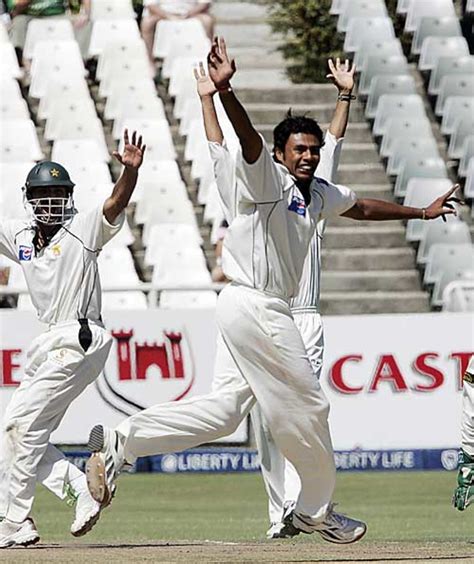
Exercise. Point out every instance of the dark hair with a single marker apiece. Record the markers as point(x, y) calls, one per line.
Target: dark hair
point(295, 124)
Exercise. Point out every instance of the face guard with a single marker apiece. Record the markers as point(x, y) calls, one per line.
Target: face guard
point(50, 211)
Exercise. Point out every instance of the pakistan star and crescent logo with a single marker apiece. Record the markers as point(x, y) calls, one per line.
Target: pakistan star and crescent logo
point(54, 172)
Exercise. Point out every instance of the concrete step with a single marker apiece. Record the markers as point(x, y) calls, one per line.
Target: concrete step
point(247, 35)
point(376, 236)
point(260, 78)
point(379, 191)
point(257, 58)
point(340, 221)
point(397, 258)
point(372, 281)
point(351, 303)
point(239, 12)
point(364, 173)
point(357, 132)
point(274, 113)
point(282, 94)
point(359, 153)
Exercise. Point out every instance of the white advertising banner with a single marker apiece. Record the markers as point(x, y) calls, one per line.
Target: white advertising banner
point(393, 381)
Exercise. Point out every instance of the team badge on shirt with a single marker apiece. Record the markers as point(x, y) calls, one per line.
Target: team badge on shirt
point(298, 205)
point(25, 252)
point(56, 250)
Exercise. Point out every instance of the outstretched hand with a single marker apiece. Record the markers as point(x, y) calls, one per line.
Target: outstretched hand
point(443, 205)
point(133, 153)
point(221, 67)
point(342, 75)
point(205, 86)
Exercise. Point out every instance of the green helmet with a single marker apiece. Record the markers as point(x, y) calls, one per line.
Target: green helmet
point(48, 173)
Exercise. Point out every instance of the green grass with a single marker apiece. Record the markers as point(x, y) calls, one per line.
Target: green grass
point(411, 506)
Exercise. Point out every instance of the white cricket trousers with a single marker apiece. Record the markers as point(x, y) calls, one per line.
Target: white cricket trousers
point(281, 480)
point(467, 418)
point(261, 356)
point(57, 371)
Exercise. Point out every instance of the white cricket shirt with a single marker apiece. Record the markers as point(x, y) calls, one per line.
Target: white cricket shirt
point(267, 241)
point(62, 278)
point(178, 7)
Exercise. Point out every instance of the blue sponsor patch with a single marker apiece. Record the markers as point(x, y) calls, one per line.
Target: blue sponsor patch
point(25, 252)
point(298, 205)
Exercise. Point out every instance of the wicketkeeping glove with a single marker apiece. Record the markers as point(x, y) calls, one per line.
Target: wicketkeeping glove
point(464, 493)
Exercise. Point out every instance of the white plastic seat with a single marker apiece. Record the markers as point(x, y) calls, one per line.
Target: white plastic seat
point(95, 172)
point(158, 193)
point(435, 47)
point(469, 186)
point(422, 8)
point(191, 111)
point(133, 299)
point(156, 135)
point(463, 128)
point(173, 213)
point(416, 167)
point(452, 232)
point(182, 76)
point(20, 133)
point(132, 87)
point(440, 255)
point(378, 65)
point(386, 84)
point(14, 108)
point(458, 263)
point(449, 65)
point(11, 197)
point(421, 192)
point(13, 175)
point(8, 61)
point(3, 33)
point(48, 70)
point(63, 110)
point(467, 155)
point(453, 85)
point(52, 28)
point(169, 30)
point(116, 268)
point(401, 127)
point(458, 296)
point(70, 87)
point(361, 29)
point(85, 129)
point(181, 269)
point(88, 195)
point(125, 49)
point(434, 27)
point(360, 9)
point(148, 107)
point(166, 171)
point(409, 147)
point(164, 236)
point(112, 10)
point(403, 5)
point(9, 88)
point(50, 50)
point(381, 47)
point(470, 7)
point(204, 299)
point(185, 47)
point(123, 72)
point(337, 7)
point(75, 150)
point(104, 31)
point(455, 108)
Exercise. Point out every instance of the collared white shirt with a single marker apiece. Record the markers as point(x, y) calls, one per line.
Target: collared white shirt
point(267, 241)
point(178, 7)
point(62, 278)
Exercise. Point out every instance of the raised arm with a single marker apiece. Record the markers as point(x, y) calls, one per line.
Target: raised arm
point(206, 91)
point(221, 70)
point(342, 75)
point(379, 210)
point(131, 159)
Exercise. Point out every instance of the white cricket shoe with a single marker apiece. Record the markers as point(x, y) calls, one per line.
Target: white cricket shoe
point(341, 529)
point(105, 463)
point(87, 514)
point(18, 534)
point(284, 529)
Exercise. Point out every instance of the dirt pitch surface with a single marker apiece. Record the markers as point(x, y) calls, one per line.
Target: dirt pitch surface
point(215, 551)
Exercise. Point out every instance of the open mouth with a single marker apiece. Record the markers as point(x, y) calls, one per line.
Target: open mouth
point(306, 170)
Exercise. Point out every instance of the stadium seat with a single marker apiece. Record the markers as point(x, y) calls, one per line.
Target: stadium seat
point(13, 175)
point(440, 255)
point(158, 193)
point(85, 129)
point(451, 232)
point(337, 7)
point(469, 186)
point(467, 155)
point(71, 87)
point(420, 192)
point(377, 65)
point(64, 109)
point(116, 268)
point(458, 264)
point(403, 6)
point(151, 170)
point(130, 87)
point(9, 88)
point(156, 132)
point(124, 300)
point(191, 111)
point(435, 47)
point(112, 10)
point(55, 51)
point(174, 272)
point(198, 48)
point(386, 84)
point(123, 72)
point(449, 65)
point(89, 195)
point(8, 61)
point(361, 29)
point(456, 107)
point(453, 85)
point(14, 108)
point(463, 128)
point(458, 296)
point(90, 172)
point(382, 47)
point(49, 70)
point(400, 127)
point(3, 33)
point(170, 235)
point(470, 7)
point(144, 107)
point(416, 167)
point(173, 213)
point(53, 29)
point(360, 9)
point(423, 8)
point(75, 150)
point(170, 299)
point(105, 31)
point(434, 26)
point(20, 134)
point(124, 49)
point(410, 147)
point(168, 31)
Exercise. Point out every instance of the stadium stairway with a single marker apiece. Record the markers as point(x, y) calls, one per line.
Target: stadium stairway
point(368, 267)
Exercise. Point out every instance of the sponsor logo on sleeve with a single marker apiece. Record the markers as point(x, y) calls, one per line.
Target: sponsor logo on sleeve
point(25, 252)
point(298, 205)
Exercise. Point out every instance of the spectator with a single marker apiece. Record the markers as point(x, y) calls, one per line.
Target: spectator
point(156, 10)
point(217, 272)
